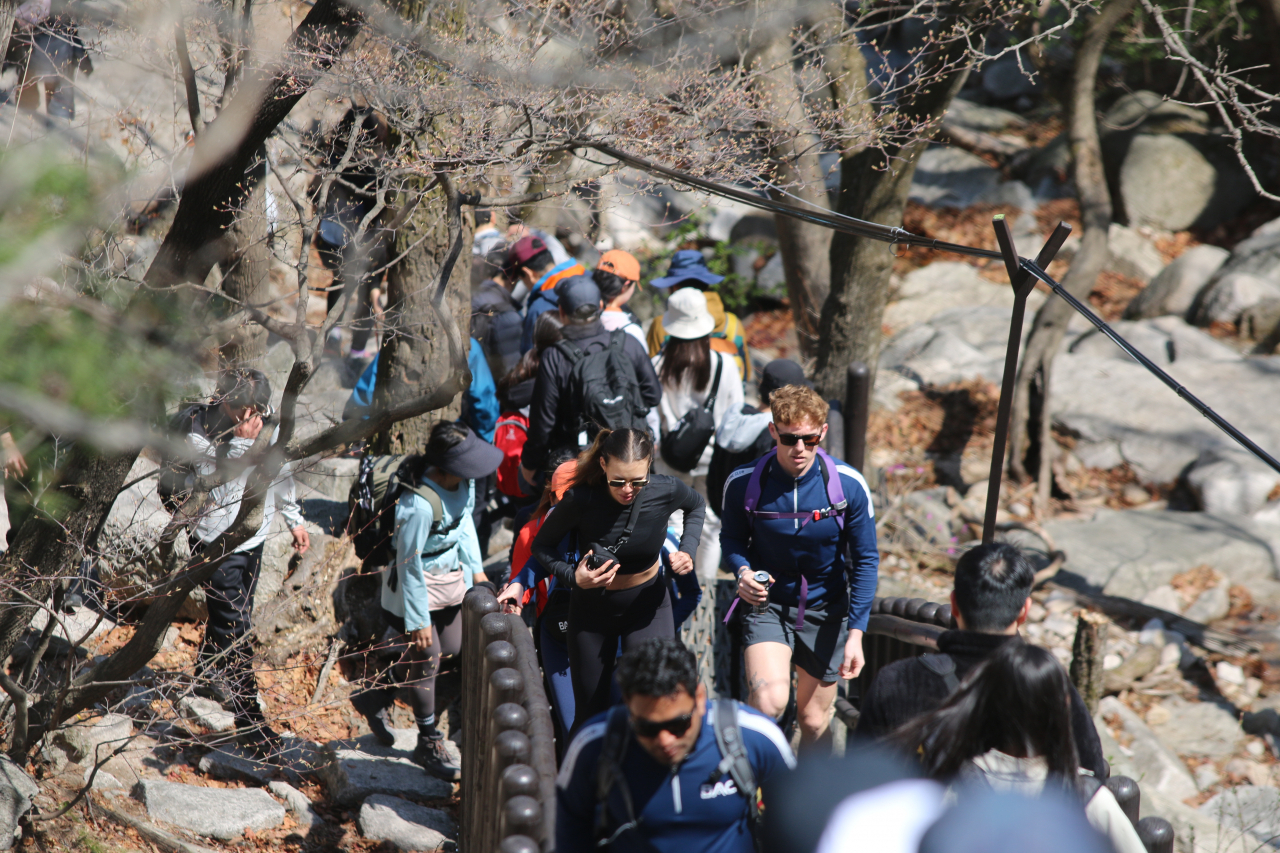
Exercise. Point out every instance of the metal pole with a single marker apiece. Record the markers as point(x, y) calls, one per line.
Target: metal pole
point(1022, 283)
point(857, 403)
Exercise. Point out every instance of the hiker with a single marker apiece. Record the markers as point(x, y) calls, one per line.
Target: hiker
point(658, 762)
point(46, 50)
point(1007, 727)
point(437, 559)
point(807, 521)
point(217, 433)
point(496, 321)
point(617, 275)
point(990, 601)
point(591, 379)
point(529, 261)
point(700, 387)
point(689, 269)
point(618, 509)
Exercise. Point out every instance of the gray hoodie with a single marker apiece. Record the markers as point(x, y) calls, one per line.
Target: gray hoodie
point(738, 430)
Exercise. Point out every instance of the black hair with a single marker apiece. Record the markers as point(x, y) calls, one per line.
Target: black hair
point(244, 387)
point(1017, 701)
point(582, 315)
point(546, 333)
point(539, 262)
point(686, 360)
point(611, 284)
point(992, 584)
point(658, 667)
point(484, 217)
point(626, 445)
point(445, 436)
point(695, 283)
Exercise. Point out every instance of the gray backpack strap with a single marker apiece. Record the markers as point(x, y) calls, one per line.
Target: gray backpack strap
point(942, 664)
point(609, 773)
point(735, 762)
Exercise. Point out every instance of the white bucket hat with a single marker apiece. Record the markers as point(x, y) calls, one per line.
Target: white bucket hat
point(687, 316)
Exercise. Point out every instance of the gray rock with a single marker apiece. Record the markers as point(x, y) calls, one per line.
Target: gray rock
point(1150, 113)
point(1207, 776)
point(16, 792)
point(329, 478)
point(1155, 767)
point(404, 824)
point(952, 177)
point(986, 119)
point(1166, 598)
point(1013, 194)
point(207, 713)
point(1131, 254)
point(222, 813)
point(1230, 481)
point(1199, 728)
point(945, 285)
point(1228, 295)
point(1250, 809)
point(1210, 606)
point(1007, 78)
point(351, 773)
point(1258, 255)
point(96, 739)
point(1174, 182)
point(233, 761)
point(298, 803)
point(102, 780)
point(1174, 289)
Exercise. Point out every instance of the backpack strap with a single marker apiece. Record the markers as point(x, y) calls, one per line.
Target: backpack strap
point(709, 404)
point(570, 350)
point(609, 773)
point(942, 664)
point(735, 762)
point(432, 498)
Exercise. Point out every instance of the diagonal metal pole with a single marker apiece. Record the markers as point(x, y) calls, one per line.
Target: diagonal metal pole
point(1022, 282)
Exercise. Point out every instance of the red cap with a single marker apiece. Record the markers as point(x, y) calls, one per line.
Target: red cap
point(525, 249)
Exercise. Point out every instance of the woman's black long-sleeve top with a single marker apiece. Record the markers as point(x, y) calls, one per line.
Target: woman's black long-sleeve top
point(596, 517)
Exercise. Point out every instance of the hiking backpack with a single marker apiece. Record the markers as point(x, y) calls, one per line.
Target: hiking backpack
point(604, 387)
point(734, 763)
point(371, 504)
point(682, 447)
point(509, 436)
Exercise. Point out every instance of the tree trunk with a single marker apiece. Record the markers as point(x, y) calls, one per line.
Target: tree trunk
point(874, 183)
point(1087, 652)
point(246, 273)
point(421, 332)
point(7, 10)
point(805, 247)
point(1031, 411)
point(216, 187)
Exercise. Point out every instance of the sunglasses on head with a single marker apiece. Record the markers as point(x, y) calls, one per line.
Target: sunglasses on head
point(650, 729)
point(790, 438)
point(635, 484)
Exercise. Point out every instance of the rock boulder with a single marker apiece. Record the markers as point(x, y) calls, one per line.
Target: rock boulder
point(221, 813)
point(1174, 288)
point(408, 826)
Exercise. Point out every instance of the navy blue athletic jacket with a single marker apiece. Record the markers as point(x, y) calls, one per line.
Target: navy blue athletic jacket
point(680, 809)
point(784, 548)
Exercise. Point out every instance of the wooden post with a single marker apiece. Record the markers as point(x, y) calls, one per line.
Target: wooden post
point(1086, 657)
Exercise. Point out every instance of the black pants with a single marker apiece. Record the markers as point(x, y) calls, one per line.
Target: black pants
point(225, 648)
point(417, 669)
point(598, 620)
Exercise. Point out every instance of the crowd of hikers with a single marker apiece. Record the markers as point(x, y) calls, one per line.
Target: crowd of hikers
point(632, 473)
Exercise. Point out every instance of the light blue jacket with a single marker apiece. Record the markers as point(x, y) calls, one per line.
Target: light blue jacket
point(455, 548)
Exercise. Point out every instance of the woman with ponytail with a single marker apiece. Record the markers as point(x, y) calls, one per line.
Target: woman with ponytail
point(618, 509)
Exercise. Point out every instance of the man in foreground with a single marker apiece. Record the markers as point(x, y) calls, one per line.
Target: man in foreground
point(990, 601)
point(658, 757)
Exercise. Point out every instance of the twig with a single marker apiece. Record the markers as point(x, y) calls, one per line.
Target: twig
point(325, 670)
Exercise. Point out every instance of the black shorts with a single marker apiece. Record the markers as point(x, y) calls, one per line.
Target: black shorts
point(817, 647)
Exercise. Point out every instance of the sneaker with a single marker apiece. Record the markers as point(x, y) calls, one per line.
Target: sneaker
point(260, 740)
point(375, 714)
point(431, 755)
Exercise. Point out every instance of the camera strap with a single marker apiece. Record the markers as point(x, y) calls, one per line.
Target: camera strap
point(632, 517)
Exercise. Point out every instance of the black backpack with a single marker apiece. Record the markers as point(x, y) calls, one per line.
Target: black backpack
point(604, 387)
point(683, 446)
point(171, 485)
point(371, 503)
point(724, 462)
point(734, 763)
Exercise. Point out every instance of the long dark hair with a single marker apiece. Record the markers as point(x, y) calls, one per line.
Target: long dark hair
point(1017, 701)
point(546, 333)
point(682, 358)
point(625, 445)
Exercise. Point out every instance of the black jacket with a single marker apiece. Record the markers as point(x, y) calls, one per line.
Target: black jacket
point(553, 420)
point(496, 324)
point(905, 689)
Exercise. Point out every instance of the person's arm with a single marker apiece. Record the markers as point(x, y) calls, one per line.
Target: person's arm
point(862, 563)
point(735, 528)
point(286, 493)
point(413, 528)
point(695, 512)
point(650, 387)
point(542, 413)
point(546, 545)
point(469, 557)
point(1105, 815)
point(361, 399)
point(741, 427)
point(690, 594)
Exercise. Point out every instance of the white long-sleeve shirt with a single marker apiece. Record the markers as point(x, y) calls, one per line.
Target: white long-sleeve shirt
point(676, 400)
point(224, 501)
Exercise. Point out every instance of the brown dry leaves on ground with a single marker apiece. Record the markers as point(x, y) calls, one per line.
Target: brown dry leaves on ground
point(943, 420)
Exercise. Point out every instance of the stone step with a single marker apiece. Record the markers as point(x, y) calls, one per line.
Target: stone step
point(221, 813)
point(406, 825)
point(353, 770)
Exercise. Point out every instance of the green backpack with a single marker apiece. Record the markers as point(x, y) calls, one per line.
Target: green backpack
point(371, 504)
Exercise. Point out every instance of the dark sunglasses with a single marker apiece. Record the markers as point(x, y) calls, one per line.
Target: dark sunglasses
point(790, 439)
point(635, 484)
point(649, 729)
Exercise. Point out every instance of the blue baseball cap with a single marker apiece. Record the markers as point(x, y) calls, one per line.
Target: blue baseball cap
point(687, 264)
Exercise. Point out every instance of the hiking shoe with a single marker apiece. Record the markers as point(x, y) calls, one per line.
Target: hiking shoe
point(375, 714)
point(431, 755)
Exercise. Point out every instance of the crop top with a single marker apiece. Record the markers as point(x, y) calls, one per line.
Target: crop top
point(597, 517)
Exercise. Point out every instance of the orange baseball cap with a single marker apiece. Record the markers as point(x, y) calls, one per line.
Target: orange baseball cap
point(620, 263)
point(562, 478)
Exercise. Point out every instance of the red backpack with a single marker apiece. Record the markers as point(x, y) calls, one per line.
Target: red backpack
point(509, 436)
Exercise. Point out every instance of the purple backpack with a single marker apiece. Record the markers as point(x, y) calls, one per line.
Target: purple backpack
point(836, 506)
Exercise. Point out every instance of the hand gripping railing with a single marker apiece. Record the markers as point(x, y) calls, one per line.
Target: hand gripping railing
point(508, 744)
point(901, 628)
